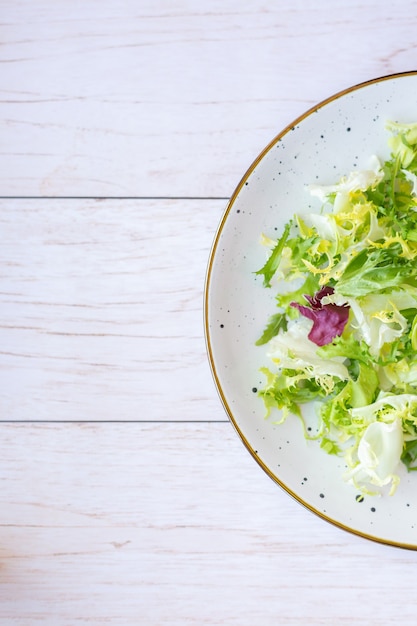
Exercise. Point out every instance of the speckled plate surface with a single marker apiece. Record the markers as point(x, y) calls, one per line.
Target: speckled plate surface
point(334, 138)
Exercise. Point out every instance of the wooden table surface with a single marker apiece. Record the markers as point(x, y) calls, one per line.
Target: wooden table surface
point(126, 497)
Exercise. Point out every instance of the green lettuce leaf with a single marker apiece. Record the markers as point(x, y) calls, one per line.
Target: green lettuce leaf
point(276, 323)
point(272, 264)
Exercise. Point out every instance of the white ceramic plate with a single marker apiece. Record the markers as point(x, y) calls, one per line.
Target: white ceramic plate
point(327, 142)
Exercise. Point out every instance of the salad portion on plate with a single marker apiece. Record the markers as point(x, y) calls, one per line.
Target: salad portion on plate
point(344, 334)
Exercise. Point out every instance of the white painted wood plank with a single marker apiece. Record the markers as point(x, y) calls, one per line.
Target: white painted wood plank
point(174, 524)
point(174, 98)
point(101, 310)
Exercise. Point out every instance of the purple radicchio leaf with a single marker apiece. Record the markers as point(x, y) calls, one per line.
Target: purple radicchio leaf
point(329, 320)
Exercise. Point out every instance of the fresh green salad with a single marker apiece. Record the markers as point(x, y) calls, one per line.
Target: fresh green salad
point(344, 334)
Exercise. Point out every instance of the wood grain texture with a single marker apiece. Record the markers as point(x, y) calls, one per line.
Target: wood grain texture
point(174, 524)
point(174, 98)
point(131, 501)
point(101, 310)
